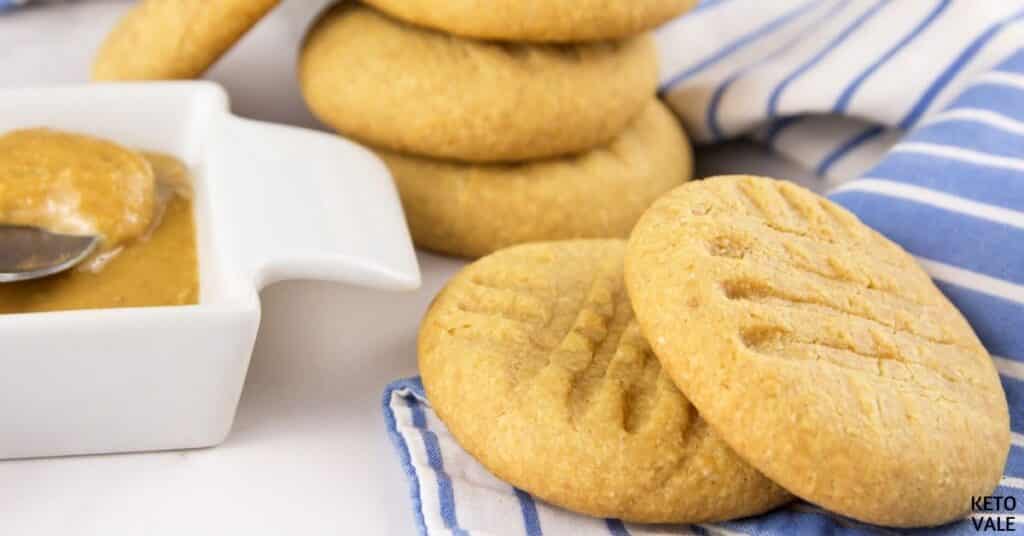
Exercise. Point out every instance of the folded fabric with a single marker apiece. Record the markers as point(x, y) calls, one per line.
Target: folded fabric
point(923, 100)
point(830, 83)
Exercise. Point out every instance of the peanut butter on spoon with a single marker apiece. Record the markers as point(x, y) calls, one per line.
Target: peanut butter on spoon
point(138, 204)
point(75, 184)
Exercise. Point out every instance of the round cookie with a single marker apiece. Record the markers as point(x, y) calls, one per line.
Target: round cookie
point(174, 39)
point(410, 89)
point(819, 350)
point(472, 210)
point(532, 358)
point(538, 20)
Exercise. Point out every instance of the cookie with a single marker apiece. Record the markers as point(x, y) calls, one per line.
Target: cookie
point(472, 210)
point(174, 39)
point(538, 20)
point(75, 184)
point(819, 350)
point(532, 358)
point(401, 87)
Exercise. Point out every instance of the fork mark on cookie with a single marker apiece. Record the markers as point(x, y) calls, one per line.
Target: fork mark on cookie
point(820, 304)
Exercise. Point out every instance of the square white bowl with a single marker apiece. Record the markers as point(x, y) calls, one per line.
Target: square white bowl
point(271, 203)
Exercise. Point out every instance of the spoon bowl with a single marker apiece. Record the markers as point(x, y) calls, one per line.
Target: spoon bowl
point(28, 252)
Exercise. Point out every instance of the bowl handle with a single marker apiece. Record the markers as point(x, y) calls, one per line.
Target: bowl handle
point(294, 203)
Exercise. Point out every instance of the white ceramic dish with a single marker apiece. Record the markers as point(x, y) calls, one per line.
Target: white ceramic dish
point(271, 203)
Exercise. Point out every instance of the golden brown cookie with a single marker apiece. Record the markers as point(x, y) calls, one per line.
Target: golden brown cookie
point(819, 350)
point(538, 20)
point(532, 358)
point(410, 89)
point(175, 39)
point(75, 184)
point(472, 210)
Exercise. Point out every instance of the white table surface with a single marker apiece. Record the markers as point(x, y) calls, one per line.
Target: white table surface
point(308, 453)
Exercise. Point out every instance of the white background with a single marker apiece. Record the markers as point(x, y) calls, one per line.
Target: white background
point(308, 453)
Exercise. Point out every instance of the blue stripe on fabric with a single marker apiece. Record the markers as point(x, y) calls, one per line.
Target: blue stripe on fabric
point(531, 520)
point(942, 235)
point(616, 528)
point(738, 44)
point(846, 148)
point(1014, 399)
point(716, 98)
point(1015, 461)
point(957, 528)
point(445, 492)
point(954, 68)
point(404, 455)
point(1016, 493)
point(1009, 490)
point(706, 4)
point(776, 95)
point(778, 127)
point(996, 321)
point(791, 521)
point(1006, 100)
point(971, 135)
point(1013, 64)
point(847, 95)
point(996, 186)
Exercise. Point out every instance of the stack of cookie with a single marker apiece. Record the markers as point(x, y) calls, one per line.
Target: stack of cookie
point(507, 122)
point(751, 341)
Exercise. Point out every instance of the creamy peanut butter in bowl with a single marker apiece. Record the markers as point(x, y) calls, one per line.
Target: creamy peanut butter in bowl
point(145, 345)
point(139, 204)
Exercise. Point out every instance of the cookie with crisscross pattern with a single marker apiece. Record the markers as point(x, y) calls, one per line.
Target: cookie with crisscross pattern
point(533, 359)
point(819, 350)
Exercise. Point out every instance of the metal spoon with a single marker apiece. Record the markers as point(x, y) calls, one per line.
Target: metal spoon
point(31, 253)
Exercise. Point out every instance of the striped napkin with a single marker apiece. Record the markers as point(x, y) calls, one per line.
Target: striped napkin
point(923, 100)
point(6, 5)
point(11, 4)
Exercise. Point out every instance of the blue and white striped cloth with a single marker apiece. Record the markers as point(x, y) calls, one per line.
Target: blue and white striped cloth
point(921, 99)
point(11, 4)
